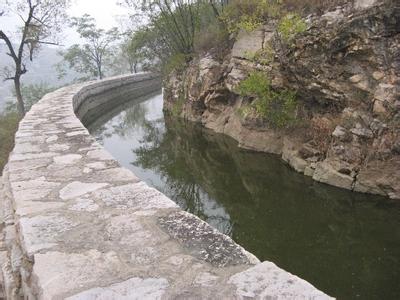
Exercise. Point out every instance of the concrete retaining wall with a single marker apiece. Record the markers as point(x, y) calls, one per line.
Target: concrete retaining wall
point(75, 225)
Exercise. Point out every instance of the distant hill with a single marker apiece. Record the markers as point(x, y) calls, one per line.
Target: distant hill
point(42, 69)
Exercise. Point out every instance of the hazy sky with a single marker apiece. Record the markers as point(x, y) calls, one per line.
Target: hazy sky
point(104, 11)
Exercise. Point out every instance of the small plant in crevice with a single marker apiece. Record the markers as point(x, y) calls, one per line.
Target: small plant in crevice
point(291, 25)
point(278, 108)
point(320, 133)
point(263, 57)
point(177, 106)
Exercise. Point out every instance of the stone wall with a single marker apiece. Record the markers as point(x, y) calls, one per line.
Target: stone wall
point(76, 225)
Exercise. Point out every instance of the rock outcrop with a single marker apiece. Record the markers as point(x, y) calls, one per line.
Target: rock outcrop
point(345, 69)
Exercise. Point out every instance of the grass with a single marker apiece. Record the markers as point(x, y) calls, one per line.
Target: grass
point(8, 127)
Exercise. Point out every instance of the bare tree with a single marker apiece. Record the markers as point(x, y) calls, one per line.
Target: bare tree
point(41, 21)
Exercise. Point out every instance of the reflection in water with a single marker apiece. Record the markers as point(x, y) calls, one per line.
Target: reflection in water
point(346, 244)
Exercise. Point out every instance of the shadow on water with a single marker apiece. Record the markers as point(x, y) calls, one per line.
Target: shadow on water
point(346, 244)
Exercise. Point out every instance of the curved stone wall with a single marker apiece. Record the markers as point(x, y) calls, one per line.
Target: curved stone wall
point(78, 226)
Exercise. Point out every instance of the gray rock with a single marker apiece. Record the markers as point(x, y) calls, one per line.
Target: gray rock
point(325, 173)
point(339, 132)
point(362, 132)
point(248, 43)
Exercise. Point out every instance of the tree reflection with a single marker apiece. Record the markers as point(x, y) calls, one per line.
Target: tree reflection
point(166, 151)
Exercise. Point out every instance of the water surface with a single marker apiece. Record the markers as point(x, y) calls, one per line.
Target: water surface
point(346, 244)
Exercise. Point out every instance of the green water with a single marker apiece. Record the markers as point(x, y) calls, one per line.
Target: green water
point(346, 244)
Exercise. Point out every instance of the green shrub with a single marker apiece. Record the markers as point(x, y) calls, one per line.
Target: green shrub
point(8, 127)
point(176, 62)
point(249, 14)
point(291, 25)
point(278, 108)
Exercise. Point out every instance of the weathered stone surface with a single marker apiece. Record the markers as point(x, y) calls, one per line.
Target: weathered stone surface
point(248, 43)
point(76, 188)
point(364, 3)
point(68, 159)
point(339, 132)
point(205, 242)
point(291, 156)
point(264, 281)
point(76, 225)
point(325, 173)
point(131, 289)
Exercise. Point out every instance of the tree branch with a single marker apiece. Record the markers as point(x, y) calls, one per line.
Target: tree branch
point(41, 42)
point(5, 38)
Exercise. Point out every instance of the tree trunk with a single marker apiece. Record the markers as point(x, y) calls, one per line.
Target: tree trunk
point(135, 67)
point(131, 68)
point(20, 101)
point(99, 70)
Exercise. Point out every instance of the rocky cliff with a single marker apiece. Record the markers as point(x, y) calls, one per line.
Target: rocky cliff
point(345, 69)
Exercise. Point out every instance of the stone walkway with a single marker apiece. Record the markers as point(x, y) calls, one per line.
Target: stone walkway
point(78, 226)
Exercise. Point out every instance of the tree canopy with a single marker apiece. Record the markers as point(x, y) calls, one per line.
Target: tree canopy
point(91, 57)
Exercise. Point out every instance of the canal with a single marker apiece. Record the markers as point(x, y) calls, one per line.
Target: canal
point(346, 244)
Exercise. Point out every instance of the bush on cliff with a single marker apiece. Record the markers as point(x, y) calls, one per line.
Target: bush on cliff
point(289, 26)
point(249, 14)
point(278, 108)
point(8, 127)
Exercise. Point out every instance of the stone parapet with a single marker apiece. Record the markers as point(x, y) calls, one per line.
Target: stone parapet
point(76, 225)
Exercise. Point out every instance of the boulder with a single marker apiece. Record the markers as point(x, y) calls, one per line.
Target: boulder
point(248, 43)
point(362, 4)
point(324, 172)
point(339, 132)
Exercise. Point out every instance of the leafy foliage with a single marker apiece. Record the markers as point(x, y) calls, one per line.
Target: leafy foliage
point(91, 57)
point(175, 21)
point(134, 51)
point(212, 34)
point(291, 25)
point(276, 107)
point(248, 14)
point(176, 62)
point(179, 28)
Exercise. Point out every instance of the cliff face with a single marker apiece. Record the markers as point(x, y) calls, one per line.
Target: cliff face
point(345, 69)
